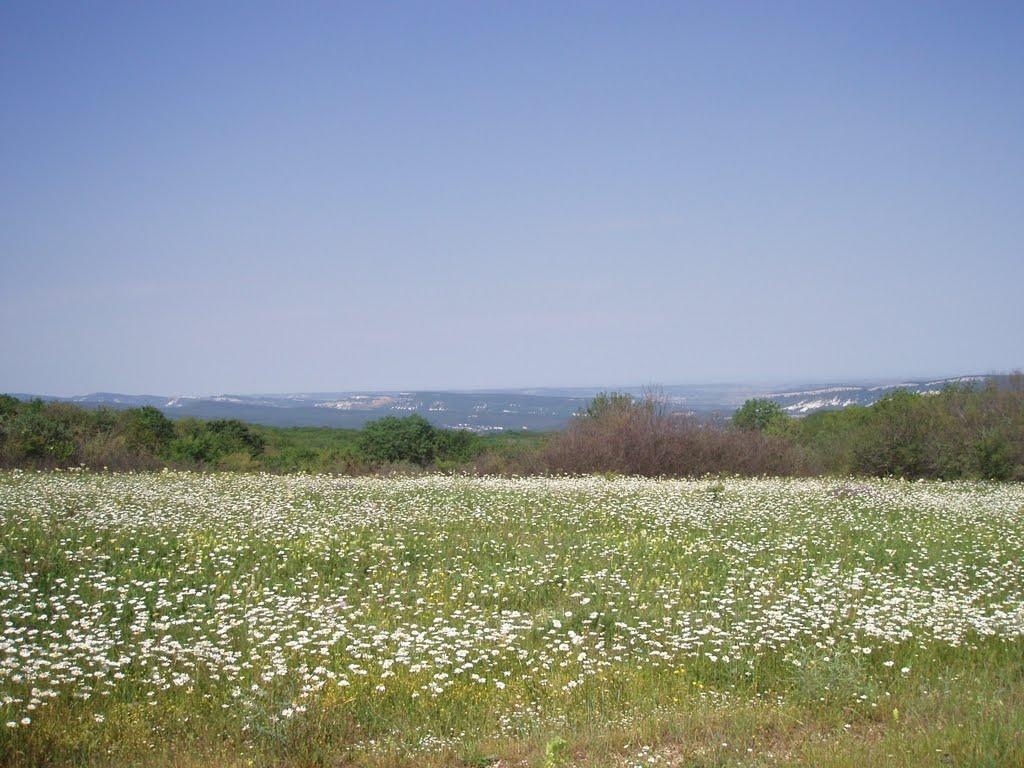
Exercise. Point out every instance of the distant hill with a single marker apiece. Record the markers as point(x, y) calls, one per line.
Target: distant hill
point(802, 402)
point(479, 412)
point(492, 410)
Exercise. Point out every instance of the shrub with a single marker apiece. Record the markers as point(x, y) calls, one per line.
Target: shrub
point(205, 443)
point(38, 435)
point(234, 436)
point(758, 414)
point(604, 404)
point(148, 429)
point(392, 439)
point(239, 461)
point(8, 406)
point(993, 457)
point(108, 450)
point(456, 445)
point(645, 438)
point(192, 444)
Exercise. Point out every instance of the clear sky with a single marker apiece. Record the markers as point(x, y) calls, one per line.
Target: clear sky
point(254, 197)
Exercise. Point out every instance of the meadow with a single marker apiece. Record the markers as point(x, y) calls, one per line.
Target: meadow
point(185, 619)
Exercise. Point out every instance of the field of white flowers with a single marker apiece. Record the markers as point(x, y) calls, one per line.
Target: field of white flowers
point(180, 619)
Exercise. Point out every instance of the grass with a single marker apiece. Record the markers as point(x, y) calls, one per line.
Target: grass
point(178, 619)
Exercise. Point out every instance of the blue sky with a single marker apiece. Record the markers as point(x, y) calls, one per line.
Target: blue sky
point(254, 197)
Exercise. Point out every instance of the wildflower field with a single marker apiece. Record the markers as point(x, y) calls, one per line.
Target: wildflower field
point(179, 619)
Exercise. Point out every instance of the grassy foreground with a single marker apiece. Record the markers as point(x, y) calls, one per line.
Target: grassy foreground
point(177, 619)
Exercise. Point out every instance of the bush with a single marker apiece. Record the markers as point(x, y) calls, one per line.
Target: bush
point(239, 461)
point(205, 443)
point(108, 450)
point(758, 415)
point(192, 444)
point(456, 446)
point(993, 455)
point(148, 429)
point(391, 440)
point(961, 432)
point(645, 438)
point(234, 436)
point(8, 407)
point(39, 435)
point(604, 404)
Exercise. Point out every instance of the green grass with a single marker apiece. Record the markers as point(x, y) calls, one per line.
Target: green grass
point(181, 619)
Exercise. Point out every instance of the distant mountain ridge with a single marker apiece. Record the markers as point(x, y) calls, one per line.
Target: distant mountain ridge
point(802, 402)
point(493, 410)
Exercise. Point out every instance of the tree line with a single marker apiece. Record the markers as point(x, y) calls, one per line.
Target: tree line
point(964, 431)
point(38, 434)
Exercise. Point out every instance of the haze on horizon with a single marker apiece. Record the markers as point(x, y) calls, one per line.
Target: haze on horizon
point(265, 198)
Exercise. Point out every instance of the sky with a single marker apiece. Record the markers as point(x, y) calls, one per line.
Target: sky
point(279, 197)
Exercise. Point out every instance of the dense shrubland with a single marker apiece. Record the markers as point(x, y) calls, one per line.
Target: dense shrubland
point(44, 435)
point(643, 437)
point(963, 431)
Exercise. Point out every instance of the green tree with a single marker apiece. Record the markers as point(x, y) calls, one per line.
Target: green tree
point(456, 445)
point(392, 439)
point(8, 406)
point(993, 455)
point(192, 443)
point(758, 415)
point(207, 442)
point(148, 429)
point(37, 433)
point(234, 436)
point(894, 439)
